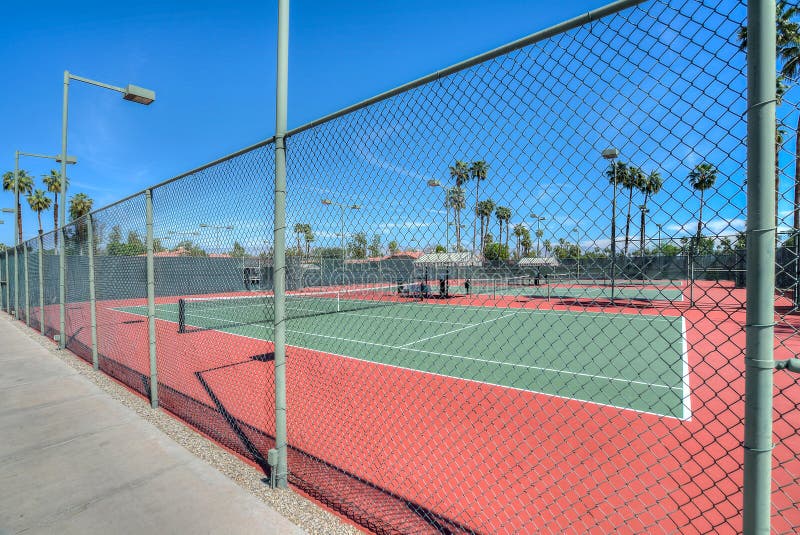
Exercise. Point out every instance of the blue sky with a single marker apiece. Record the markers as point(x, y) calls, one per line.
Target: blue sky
point(212, 65)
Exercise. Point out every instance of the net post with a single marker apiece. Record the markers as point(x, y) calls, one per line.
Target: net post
point(279, 263)
point(181, 316)
point(151, 299)
point(92, 297)
point(41, 286)
point(27, 286)
point(8, 285)
point(760, 232)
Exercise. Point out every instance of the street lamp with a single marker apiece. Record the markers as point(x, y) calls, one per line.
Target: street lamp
point(17, 154)
point(437, 184)
point(538, 220)
point(343, 208)
point(645, 210)
point(131, 93)
point(217, 229)
point(612, 154)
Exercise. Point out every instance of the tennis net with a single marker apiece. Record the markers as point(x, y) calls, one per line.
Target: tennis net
point(209, 313)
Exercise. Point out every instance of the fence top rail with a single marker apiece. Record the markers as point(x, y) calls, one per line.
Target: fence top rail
point(589, 16)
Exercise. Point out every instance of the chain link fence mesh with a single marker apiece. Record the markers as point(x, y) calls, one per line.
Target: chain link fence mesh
point(494, 324)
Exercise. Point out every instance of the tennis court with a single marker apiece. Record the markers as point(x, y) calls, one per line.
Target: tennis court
point(633, 362)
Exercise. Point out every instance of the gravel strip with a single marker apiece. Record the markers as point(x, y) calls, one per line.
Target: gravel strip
point(303, 512)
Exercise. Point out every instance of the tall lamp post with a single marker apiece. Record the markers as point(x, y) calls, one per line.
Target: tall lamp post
point(578, 254)
point(17, 226)
point(538, 220)
point(612, 154)
point(132, 93)
point(437, 184)
point(343, 208)
point(217, 229)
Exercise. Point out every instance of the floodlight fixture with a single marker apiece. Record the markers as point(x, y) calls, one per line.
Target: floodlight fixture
point(610, 153)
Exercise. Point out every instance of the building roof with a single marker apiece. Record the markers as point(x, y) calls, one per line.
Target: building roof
point(536, 261)
point(453, 259)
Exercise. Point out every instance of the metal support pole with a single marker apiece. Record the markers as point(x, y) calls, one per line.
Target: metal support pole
point(92, 300)
point(16, 282)
point(614, 234)
point(27, 286)
point(759, 326)
point(8, 285)
point(151, 299)
point(41, 286)
point(62, 262)
point(279, 274)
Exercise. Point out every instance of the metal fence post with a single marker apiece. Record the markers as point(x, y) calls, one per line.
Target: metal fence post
point(41, 286)
point(16, 282)
point(8, 285)
point(151, 299)
point(92, 301)
point(279, 273)
point(62, 285)
point(27, 285)
point(759, 327)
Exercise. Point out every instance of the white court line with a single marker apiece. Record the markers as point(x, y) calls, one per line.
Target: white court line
point(469, 326)
point(456, 377)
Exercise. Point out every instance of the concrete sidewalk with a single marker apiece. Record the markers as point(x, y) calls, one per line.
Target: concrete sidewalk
point(73, 460)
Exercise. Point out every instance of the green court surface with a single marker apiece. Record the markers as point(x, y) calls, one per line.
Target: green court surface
point(624, 360)
point(569, 291)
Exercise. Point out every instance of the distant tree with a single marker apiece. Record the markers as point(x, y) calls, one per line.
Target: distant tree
point(53, 183)
point(457, 201)
point(393, 247)
point(238, 250)
point(503, 214)
point(187, 248)
point(24, 184)
point(309, 237)
point(79, 205)
point(651, 185)
point(299, 230)
point(483, 211)
point(478, 171)
point(39, 202)
point(357, 248)
point(702, 178)
point(375, 246)
point(440, 249)
point(495, 252)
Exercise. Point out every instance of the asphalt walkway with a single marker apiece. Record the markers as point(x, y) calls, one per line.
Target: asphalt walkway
point(73, 460)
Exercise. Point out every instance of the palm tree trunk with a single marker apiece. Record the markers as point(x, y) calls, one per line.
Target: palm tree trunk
point(458, 228)
point(628, 221)
point(700, 219)
point(39, 216)
point(644, 211)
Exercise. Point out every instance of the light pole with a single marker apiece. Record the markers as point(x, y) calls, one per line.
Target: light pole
point(612, 154)
point(437, 184)
point(660, 251)
point(132, 93)
point(538, 220)
point(17, 226)
point(645, 210)
point(343, 208)
point(217, 229)
point(578, 253)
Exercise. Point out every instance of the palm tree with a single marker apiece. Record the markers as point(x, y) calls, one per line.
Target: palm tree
point(539, 234)
point(649, 187)
point(39, 202)
point(702, 178)
point(503, 214)
point(478, 171)
point(484, 211)
point(24, 187)
point(299, 229)
point(787, 33)
point(53, 183)
point(519, 232)
point(457, 201)
point(308, 235)
point(79, 205)
point(631, 180)
point(547, 244)
point(526, 243)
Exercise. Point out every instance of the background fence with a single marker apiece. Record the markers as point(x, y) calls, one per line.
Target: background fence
point(467, 395)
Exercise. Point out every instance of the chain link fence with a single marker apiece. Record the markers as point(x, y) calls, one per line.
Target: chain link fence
point(516, 290)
